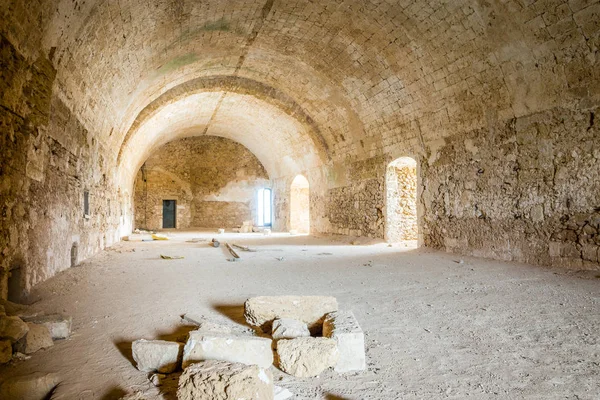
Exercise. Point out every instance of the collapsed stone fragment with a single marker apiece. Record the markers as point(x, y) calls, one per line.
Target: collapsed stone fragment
point(5, 351)
point(344, 328)
point(12, 328)
point(222, 380)
point(37, 338)
point(35, 386)
point(203, 345)
point(287, 328)
point(156, 355)
point(261, 311)
point(307, 356)
point(58, 324)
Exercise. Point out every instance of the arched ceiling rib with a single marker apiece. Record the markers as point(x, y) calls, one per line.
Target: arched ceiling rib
point(369, 74)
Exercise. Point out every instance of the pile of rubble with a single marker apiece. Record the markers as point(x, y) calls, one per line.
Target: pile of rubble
point(23, 332)
point(303, 335)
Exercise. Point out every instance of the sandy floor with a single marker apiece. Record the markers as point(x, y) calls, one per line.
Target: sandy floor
point(435, 328)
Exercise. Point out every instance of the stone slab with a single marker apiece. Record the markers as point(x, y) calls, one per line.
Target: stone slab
point(287, 328)
point(261, 311)
point(222, 380)
point(59, 325)
point(157, 355)
point(204, 345)
point(307, 356)
point(343, 327)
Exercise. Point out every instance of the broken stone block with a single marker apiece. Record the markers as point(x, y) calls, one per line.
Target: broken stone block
point(18, 310)
point(307, 356)
point(343, 327)
point(261, 311)
point(206, 325)
point(37, 338)
point(287, 328)
point(222, 380)
point(5, 351)
point(203, 345)
point(35, 386)
point(58, 325)
point(12, 328)
point(156, 355)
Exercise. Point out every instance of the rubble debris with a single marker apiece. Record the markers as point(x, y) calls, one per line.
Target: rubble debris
point(307, 356)
point(246, 227)
point(165, 257)
point(287, 328)
point(37, 338)
point(5, 351)
point(221, 231)
point(233, 253)
point(344, 328)
point(203, 345)
point(267, 232)
point(221, 380)
point(157, 379)
point(261, 311)
point(12, 328)
point(159, 236)
point(35, 386)
point(244, 248)
point(157, 355)
point(58, 324)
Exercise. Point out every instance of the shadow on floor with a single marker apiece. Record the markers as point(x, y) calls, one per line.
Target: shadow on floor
point(331, 396)
point(114, 394)
point(234, 312)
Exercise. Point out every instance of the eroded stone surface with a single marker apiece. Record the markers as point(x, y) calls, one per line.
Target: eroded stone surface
point(343, 327)
point(251, 350)
point(12, 328)
point(222, 380)
point(157, 355)
point(307, 356)
point(261, 311)
point(287, 328)
point(35, 386)
point(38, 337)
point(5, 351)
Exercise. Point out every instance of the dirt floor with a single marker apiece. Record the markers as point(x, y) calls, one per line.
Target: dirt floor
point(435, 327)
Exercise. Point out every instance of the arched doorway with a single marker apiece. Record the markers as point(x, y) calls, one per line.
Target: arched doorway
point(401, 200)
point(300, 205)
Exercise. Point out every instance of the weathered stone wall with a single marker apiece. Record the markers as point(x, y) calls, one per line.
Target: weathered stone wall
point(47, 161)
point(401, 202)
point(526, 190)
point(214, 180)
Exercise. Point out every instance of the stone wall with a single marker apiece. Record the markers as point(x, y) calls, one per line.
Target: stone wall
point(526, 190)
point(213, 179)
point(47, 161)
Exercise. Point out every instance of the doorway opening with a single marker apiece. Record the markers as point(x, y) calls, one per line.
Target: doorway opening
point(300, 205)
point(15, 287)
point(169, 214)
point(264, 211)
point(401, 200)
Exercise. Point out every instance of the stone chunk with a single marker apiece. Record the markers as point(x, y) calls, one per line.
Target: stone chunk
point(58, 325)
point(156, 355)
point(5, 351)
point(222, 380)
point(286, 328)
point(203, 345)
point(37, 338)
point(344, 328)
point(206, 325)
point(12, 328)
point(261, 311)
point(307, 356)
point(35, 386)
